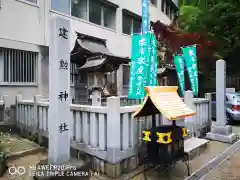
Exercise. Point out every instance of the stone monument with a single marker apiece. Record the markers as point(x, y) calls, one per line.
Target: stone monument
point(59, 126)
point(220, 131)
point(59, 93)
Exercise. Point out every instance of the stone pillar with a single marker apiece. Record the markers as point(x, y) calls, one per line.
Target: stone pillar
point(18, 98)
point(189, 122)
point(221, 131)
point(119, 82)
point(59, 92)
point(96, 96)
point(113, 166)
point(35, 130)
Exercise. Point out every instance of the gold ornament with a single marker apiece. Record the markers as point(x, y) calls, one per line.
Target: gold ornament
point(161, 138)
point(147, 136)
point(184, 131)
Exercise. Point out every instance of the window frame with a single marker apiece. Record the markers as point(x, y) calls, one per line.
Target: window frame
point(62, 13)
point(101, 9)
point(106, 6)
point(12, 56)
point(133, 17)
point(87, 8)
point(126, 14)
point(27, 2)
point(103, 5)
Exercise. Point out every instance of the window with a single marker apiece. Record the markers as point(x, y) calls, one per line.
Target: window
point(79, 9)
point(95, 12)
point(62, 6)
point(154, 2)
point(18, 66)
point(127, 24)
point(169, 9)
point(109, 15)
point(131, 24)
point(137, 26)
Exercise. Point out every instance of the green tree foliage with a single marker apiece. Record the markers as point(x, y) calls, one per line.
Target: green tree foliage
point(219, 20)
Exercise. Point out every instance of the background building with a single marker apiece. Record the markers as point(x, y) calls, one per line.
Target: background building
point(25, 31)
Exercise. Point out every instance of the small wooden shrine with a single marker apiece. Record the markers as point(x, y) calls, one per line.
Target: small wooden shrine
point(96, 66)
point(164, 143)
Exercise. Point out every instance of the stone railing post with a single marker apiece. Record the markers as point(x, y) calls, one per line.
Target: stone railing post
point(113, 166)
point(120, 80)
point(18, 118)
point(208, 96)
point(189, 121)
point(6, 110)
point(35, 117)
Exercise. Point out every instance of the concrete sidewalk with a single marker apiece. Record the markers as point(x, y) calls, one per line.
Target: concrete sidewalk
point(179, 172)
point(228, 170)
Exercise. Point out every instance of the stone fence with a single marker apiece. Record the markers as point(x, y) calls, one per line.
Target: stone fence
point(108, 134)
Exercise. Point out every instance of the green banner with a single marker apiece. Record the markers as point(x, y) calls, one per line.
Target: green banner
point(179, 63)
point(139, 66)
point(153, 62)
point(190, 56)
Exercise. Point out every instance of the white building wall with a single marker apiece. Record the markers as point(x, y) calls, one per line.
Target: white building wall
point(27, 26)
point(23, 22)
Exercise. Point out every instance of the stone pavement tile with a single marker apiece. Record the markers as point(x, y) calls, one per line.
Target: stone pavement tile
point(213, 149)
point(228, 170)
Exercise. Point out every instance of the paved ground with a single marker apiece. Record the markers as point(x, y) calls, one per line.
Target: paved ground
point(213, 149)
point(25, 162)
point(179, 172)
point(229, 170)
point(236, 128)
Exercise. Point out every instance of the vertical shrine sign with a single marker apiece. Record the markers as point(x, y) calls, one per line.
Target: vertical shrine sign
point(59, 89)
point(153, 61)
point(190, 56)
point(179, 63)
point(139, 66)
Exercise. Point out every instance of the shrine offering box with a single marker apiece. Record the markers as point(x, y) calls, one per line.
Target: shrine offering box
point(164, 143)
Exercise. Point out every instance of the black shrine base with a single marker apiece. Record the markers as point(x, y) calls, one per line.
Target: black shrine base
point(165, 154)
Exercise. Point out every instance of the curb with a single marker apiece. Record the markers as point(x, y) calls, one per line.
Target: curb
point(204, 170)
point(25, 153)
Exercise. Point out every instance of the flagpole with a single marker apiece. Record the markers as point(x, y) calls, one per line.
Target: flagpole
point(145, 22)
point(145, 16)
